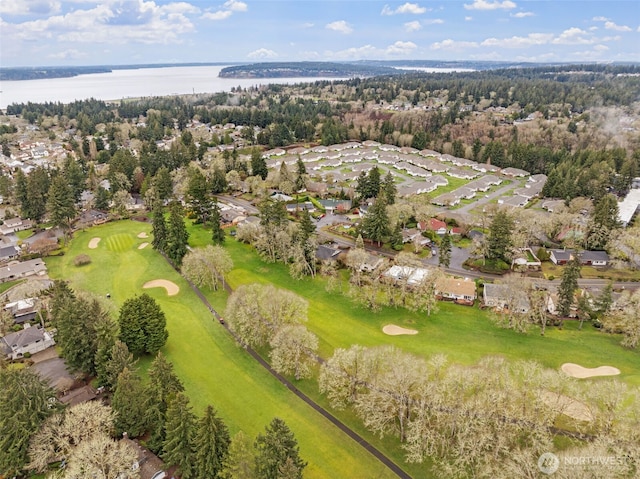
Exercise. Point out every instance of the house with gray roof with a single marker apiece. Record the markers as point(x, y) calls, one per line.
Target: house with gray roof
point(28, 340)
point(22, 270)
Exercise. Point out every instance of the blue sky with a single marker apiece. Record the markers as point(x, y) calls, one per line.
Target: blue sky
point(89, 32)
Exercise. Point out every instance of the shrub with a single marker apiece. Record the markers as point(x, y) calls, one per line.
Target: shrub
point(82, 260)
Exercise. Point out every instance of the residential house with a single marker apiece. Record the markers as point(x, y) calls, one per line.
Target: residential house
point(372, 263)
point(408, 235)
point(560, 257)
point(446, 199)
point(7, 253)
point(501, 297)
point(516, 172)
point(28, 340)
point(462, 291)
point(327, 253)
point(587, 258)
point(413, 276)
point(22, 270)
point(13, 225)
point(594, 258)
point(514, 201)
point(22, 310)
point(433, 224)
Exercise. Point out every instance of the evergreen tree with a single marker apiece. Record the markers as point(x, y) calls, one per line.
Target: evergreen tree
point(106, 334)
point(568, 286)
point(444, 255)
point(217, 233)
point(603, 220)
point(389, 188)
point(75, 177)
point(120, 358)
point(274, 448)
point(25, 402)
point(159, 228)
point(258, 164)
point(163, 385)
point(142, 325)
point(102, 199)
point(499, 241)
point(396, 238)
point(177, 234)
point(375, 224)
point(37, 188)
point(198, 195)
point(22, 195)
point(163, 183)
point(218, 181)
point(301, 171)
point(128, 404)
point(61, 203)
point(373, 182)
point(211, 444)
point(178, 448)
point(362, 188)
point(240, 461)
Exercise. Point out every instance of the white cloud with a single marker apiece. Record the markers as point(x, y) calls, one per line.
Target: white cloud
point(408, 8)
point(595, 53)
point(574, 36)
point(235, 6)
point(339, 26)
point(308, 25)
point(119, 23)
point(70, 54)
point(396, 49)
point(29, 7)
point(434, 21)
point(600, 19)
point(262, 53)
point(519, 42)
point(523, 14)
point(617, 28)
point(219, 15)
point(490, 5)
point(468, 19)
point(401, 48)
point(228, 9)
point(412, 26)
point(453, 45)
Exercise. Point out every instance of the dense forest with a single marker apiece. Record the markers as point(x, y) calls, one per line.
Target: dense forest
point(467, 114)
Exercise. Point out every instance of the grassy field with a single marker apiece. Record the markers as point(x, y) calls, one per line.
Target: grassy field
point(212, 367)
point(215, 370)
point(464, 333)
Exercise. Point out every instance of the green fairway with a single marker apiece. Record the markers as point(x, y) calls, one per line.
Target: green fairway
point(212, 367)
point(465, 334)
point(119, 242)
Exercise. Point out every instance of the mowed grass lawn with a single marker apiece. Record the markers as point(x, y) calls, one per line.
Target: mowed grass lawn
point(212, 367)
point(465, 334)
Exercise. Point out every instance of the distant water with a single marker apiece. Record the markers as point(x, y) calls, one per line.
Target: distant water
point(131, 84)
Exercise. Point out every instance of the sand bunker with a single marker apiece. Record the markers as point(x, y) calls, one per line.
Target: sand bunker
point(567, 406)
point(143, 235)
point(393, 330)
point(172, 288)
point(143, 245)
point(577, 371)
point(93, 244)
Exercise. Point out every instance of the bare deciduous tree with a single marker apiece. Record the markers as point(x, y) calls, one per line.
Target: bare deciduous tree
point(294, 349)
point(206, 267)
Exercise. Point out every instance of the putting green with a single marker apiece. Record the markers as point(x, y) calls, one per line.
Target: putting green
point(119, 242)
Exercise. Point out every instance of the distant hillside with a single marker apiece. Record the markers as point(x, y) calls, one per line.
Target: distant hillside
point(38, 73)
point(306, 69)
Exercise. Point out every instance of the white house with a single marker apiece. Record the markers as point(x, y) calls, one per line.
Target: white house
point(29, 340)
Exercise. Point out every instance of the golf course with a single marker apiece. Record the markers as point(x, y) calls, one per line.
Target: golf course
point(215, 370)
point(212, 367)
